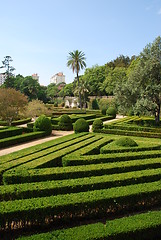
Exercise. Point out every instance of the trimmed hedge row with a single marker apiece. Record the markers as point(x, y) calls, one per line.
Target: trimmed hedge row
point(106, 149)
point(91, 149)
point(39, 147)
point(17, 122)
point(142, 226)
point(20, 138)
point(71, 172)
point(141, 121)
point(54, 158)
point(61, 111)
point(129, 133)
point(55, 121)
point(30, 125)
point(42, 189)
point(131, 128)
point(104, 118)
point(21, 121)
point(10, 132)
point(51, 153)
point(73, 160)
point(79, 205)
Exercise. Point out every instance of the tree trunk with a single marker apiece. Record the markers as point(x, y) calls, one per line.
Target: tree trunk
point(79, 92)
point(157, 115)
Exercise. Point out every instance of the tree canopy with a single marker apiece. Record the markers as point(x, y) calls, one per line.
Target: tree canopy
point(142, 91)
point(76, 61)
point(12, 102)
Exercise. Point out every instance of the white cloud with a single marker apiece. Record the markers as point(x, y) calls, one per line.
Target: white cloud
point(159, 12)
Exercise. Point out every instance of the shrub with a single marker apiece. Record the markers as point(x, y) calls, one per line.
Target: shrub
point(62, 104)
point(126, 142)
point(43, 124)
point(103, 111)
point(95, 104)
point(65, 123)
point(111, 111)
point(81, 125)
point(55, 104)
point(97, 124)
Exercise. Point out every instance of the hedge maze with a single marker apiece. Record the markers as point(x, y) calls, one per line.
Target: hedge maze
point(82, 186)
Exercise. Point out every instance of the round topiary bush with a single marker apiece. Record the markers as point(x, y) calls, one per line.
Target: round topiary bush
point(81, 125)
point(97, 124)
point(111, 111)
point(126, 142)
point(43, 123)
point(65, 123)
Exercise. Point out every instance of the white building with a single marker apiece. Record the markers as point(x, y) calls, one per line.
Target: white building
point(58, 78)
point(35, 76)
point(2, 78)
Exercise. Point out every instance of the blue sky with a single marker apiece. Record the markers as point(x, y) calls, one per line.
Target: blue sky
point(39, 34)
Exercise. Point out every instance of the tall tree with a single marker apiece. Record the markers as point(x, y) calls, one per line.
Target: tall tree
point(84, 91)
point(95, 77)
point(142, 91)
point(30, 87)
point(76, 61)
point(9, 71)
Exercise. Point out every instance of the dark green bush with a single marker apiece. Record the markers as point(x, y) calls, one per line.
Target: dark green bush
point(55, 104)
point(103, 111)
point(111, 111)
point(43, 123)
point(65, 123)
point(97, 124)
point(126, 142)
point(6, 142)
point(30, 125)
point(95, 104)
point(81, 125)
point(10, 132)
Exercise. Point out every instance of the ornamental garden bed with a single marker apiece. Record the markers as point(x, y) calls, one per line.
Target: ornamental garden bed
point(82, 186)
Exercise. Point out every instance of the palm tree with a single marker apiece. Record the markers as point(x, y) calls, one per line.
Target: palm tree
point(76, 61)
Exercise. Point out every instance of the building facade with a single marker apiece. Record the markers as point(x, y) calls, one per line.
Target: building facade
point(35, 76)
point(58, 78)
point(2, 78)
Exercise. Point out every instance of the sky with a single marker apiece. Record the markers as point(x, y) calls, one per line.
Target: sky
point(39, 34)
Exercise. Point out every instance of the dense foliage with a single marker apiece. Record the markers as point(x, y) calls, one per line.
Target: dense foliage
point(97, 124)
point(43, 123)
point(135, 83)
point(111, 111)
point(81, 125)
point(12, 103)
point(65, 123)
point(126, 142)
point(141, 93)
